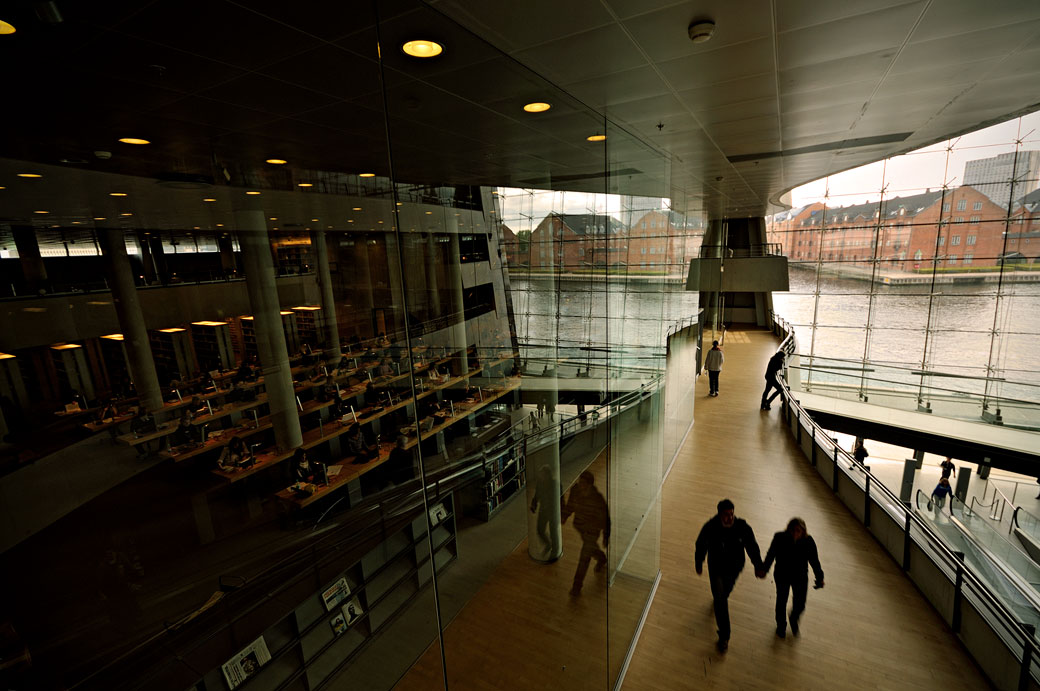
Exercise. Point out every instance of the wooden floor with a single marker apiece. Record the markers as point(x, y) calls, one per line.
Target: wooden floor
point(868, 628)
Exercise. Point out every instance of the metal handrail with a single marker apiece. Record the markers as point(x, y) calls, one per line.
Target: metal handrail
point(1030, 647)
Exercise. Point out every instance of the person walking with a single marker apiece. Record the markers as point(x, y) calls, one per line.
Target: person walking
point(859, 451)
point(723, 540)
point(795, 552)
point(948, 467)
point(544, 506)
point(591, 517)
point(939, 494)
point(713, 363)
point(776, 363)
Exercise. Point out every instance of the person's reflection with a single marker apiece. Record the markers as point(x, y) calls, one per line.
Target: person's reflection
point(590, 518)
point(546, 491)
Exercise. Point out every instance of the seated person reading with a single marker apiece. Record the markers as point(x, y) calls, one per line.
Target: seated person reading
point(373, 395)
point(108, 412)
point(358, 446)
point(244, 373)
point(385, 369)
point(183, 434)
point(305, 471)
point(234, 455)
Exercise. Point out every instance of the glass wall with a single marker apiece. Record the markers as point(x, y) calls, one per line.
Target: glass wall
point(913, 279)
point(370, 389)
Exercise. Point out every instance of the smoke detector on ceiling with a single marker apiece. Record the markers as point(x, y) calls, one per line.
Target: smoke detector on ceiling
point(701, 31)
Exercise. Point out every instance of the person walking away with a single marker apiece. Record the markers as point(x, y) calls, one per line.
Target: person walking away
point(543, 504)
point(794, 551)
point(939, 494)
point(776, 363)
point(948, 467)
point(591, 517)
point(723, 540)
point(713, 363)
point(859, 452)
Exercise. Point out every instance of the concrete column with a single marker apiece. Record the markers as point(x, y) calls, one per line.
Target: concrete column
point(267, 323)
point(362, 284)
point(131, 319)
point(458, 307)
point(394, 245)
point(328, 303)
point(227, 256)
point(432, 289)
point(33, 270)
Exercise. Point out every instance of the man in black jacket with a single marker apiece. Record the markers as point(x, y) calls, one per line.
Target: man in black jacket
point(776, 363)
point(724, 539)
point(794, 551)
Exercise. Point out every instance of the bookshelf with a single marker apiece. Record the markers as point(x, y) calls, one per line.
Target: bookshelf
point(213, 345)
point(308, 324)
point(172, 352)
point(70, 363)
point(248, 332)
point(291, 331)
point(113, 353)
point(504, 478)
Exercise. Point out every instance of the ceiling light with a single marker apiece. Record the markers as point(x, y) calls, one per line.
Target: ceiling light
point(2, 187)
point(277, 161)
point(701, 31)
point(99, 218)
point(6, 28)
point(134, 140)
point(429, 213)
point(220, 225)
point(117, 194)
point(252, 193)
point(127, 213)
point(422, 48)
point(209, 199)
point(399, 203)
point(273, 218)
point(75, 223)
point(314, 220)
point(350, 220)
point(195, 227)
point(41, 212)
point(357, 208)
point(595, 138)
point(29, 175)
point(537, 107)
point(304, 184)
point(366, 175)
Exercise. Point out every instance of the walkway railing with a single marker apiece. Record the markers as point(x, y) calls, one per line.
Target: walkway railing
point(1004, 647)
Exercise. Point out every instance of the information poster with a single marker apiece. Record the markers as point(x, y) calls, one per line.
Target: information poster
point(335, 594)
point(246, 663)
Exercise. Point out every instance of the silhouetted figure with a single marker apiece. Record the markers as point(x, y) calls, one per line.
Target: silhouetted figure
point(794, 551)
point(724, 539)
point(776, 363)
point(948, 467)
point(400, 463)
point(546, 492)
point(303, 469)
point(591, 517)
point(859, 452)
point(713, 363)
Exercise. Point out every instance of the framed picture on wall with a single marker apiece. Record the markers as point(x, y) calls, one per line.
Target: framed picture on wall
point(335, 594)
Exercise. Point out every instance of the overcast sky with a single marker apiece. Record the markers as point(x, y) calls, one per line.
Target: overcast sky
point(912, 173)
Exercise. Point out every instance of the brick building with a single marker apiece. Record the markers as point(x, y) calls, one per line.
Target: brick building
point(577, 241)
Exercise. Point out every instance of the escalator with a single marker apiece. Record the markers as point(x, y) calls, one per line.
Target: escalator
point(1009, 573)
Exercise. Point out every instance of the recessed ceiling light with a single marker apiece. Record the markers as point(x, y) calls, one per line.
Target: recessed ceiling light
point(399, 203)
point(126, 213)
point(220, 225)
point(357, 208)
point(2, 187)
point(134, 140)
point(350, 220)
point(209, 199)
point(378, 221)
point(41, 212)
point(314, 220)
point(29, 175)
point(6, 28)
point(99, 218)
point(252, 193)
point(304, 184)
point(195, 227)
point(366, 175)
point(537, 107)
point(117, 194)
point(596, 137)
point(429, 213)
point(75, 223)
point(422, 48)
point(273, 218)
point(277, 161)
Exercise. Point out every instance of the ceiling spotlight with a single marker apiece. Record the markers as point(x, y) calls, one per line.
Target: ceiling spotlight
point(117, 194)
point(277, 161)
point(422, 48)
point(134, 140)
point(537, 107)
point(29, 175)
point(6, 28)
point(366, 175)
point(596, 138)
point(701, 31)
point(357, 208)
point(273, 218)
point(41, 212)
point(209, 199)
point(99, 218)
point(126, 213)
point(304, 184)
point(220, 225)
point(252, 193)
